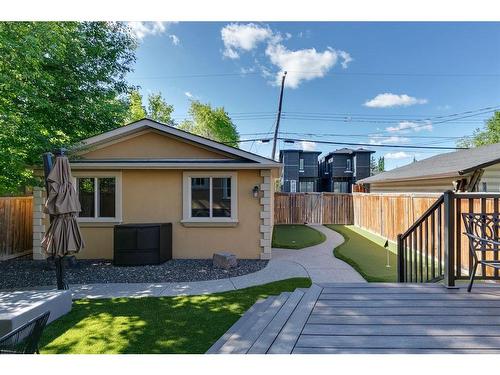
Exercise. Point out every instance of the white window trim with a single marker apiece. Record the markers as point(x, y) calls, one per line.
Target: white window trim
point(301, 165)
point(186, 197)
point(118, 196)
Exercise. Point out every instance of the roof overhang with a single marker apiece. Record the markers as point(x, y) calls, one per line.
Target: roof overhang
point(369, 180)
point(140, 125)
point(161, 164)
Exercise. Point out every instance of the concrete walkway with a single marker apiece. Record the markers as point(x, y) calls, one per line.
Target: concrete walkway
point(319, 262)
point(275, 270)
point(316, 262)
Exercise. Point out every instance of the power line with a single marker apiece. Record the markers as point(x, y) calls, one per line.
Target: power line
point(293, 140)
point(332, 74)
point(364, 135)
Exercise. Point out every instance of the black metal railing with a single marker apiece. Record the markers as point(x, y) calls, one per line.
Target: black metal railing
point(434, 248)
point(420, 248)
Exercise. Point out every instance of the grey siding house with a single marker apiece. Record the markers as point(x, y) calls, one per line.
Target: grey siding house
point(342, 168)
point(475, 169)
point(300, 171)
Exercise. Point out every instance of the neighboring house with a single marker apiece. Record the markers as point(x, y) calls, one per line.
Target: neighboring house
point(300, 171)
point(476, 169)
point(218, 198)
point(342, 168)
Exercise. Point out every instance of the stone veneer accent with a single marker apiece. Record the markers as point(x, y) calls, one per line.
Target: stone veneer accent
point(38, 222)
point(266, 226)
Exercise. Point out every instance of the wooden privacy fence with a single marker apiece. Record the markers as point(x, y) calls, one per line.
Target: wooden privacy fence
point(313, 208)
point(16, 226)
point(389, 214)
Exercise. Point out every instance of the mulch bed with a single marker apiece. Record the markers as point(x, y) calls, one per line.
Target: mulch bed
point(24, 273)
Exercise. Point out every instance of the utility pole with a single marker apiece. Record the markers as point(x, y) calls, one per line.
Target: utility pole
point(273, 155)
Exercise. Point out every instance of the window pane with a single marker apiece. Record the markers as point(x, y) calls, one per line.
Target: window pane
point(200, 197)
point(86, 191)
point(221, 197)
point(107, 197)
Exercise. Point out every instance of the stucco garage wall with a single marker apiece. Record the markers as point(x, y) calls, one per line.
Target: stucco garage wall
point(156, 196)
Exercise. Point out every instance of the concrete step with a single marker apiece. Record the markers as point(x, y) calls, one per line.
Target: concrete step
point(267, 337)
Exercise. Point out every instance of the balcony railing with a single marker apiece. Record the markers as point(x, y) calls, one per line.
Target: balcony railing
point(434, 246)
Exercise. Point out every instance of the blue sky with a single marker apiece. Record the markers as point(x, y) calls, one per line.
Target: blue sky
point(347, 82)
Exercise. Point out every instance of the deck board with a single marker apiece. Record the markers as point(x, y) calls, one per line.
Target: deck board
point(380, 318)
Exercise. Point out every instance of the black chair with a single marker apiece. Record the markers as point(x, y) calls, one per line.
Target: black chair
point(24, 340)
point(483, 233)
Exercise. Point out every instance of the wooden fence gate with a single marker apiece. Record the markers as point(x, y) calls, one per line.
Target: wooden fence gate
point(16, 226)
point(313, 208)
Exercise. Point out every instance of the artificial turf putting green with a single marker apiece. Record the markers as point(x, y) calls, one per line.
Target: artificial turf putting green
point(365, 252)
point(188, 324)
point(293, 236)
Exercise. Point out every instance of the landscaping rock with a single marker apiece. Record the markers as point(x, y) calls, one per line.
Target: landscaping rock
point(26, 273)
point(224, 260)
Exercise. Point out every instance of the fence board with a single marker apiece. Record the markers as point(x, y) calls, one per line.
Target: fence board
point(16, 223)
point(313, 208)
point(389, 214)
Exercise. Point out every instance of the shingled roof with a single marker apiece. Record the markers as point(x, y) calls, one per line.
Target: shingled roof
point(452, 164)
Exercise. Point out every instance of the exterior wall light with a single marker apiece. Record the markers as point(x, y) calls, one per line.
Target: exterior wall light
point(255, 191)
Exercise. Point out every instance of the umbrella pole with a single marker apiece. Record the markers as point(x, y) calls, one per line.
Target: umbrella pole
point(47, 167)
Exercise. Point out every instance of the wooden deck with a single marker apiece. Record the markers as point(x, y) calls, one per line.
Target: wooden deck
point(370, 318)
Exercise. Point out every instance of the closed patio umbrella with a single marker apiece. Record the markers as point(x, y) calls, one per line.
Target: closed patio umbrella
point(63, 236)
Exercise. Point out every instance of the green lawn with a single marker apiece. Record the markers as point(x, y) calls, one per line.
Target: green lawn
point(292, 236)
point(189, 324)
point(366, 253)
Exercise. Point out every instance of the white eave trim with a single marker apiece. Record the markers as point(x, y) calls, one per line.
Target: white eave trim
point(194, 165)
point(145, 123)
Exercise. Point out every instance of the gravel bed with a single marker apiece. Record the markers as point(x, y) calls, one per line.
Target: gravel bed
point(23, 273)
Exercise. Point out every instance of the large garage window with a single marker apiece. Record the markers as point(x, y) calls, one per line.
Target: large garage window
point(209, 197)
point(99, 198)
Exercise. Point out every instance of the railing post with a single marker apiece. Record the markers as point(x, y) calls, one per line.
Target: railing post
point(449, 239)
point(401, 260)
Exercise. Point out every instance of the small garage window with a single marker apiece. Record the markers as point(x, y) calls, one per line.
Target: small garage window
point(99, 197)
point(209, 197)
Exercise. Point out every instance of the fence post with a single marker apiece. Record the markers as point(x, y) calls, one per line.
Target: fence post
point(401, 260)
point(449, 239)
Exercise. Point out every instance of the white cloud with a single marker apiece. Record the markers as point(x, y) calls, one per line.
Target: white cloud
point(406, 126)
point(143, 29)
point(243, 37)
point(301, 65)
point(307, 146)
point(393, 100)
point(443, 107)
point(398, 155)
point(304, 64)
point(378, 140)
point(174, 39)
point(189, 95)
point(244, 70)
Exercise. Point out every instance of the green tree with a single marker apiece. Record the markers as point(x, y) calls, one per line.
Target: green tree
point(381, 164)
point(60, 82)
point(488, 135)
point(136, 110)
point(158, 109)
point(213, 123)
point(373, 166)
